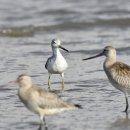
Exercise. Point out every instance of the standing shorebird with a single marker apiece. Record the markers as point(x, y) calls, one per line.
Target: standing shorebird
point(56, 64)
point(118, 73)
point(40, 101)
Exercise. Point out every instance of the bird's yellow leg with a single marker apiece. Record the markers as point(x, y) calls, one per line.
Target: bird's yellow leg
point(49, 83)
point(62, 84)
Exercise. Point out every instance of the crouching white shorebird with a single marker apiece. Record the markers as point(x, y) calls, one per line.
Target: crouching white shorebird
point(40, 101)
point(56, 64)
point(118, 73)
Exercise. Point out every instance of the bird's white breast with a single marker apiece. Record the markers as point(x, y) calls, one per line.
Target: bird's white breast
point(57, 64)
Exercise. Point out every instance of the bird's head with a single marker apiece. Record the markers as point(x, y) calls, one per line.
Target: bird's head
point(24, 80)
point(56, 43)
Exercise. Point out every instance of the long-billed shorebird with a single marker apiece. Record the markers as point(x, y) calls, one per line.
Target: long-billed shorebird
point(118, 73)
point(39, 100)
point(56, 64)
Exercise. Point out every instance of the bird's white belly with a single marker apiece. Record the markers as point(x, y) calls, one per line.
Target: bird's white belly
point(57, 66)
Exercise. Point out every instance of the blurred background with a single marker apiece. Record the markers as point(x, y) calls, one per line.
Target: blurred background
point(84, 27)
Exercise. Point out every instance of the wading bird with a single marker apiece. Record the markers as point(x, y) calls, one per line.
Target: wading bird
point(40, 101)
point(56, 64)
point(118, 73)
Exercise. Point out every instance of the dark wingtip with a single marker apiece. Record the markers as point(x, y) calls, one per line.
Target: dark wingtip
point(45, 66)
point(78, 106)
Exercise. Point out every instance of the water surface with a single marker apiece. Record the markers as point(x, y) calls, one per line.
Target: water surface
point(84, 27)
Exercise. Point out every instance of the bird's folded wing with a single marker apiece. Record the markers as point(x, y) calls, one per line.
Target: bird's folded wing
point(121, 74)
point(46, 99)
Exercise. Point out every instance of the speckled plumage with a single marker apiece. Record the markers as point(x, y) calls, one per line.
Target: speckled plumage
point(119, 76)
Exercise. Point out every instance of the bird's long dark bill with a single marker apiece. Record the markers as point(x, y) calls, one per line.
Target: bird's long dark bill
point(63, 48)
point(101, 54)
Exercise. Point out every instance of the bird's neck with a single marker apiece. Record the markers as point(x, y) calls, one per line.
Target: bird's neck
point(25, 86)
point(56, 52)
point(109, 61)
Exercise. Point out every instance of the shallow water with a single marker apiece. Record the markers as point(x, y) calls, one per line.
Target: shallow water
point(84, 27)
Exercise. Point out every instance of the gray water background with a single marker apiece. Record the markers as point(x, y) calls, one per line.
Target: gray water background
point(85, 27)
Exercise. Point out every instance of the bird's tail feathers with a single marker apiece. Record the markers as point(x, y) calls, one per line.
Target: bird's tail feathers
point(78, 106)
